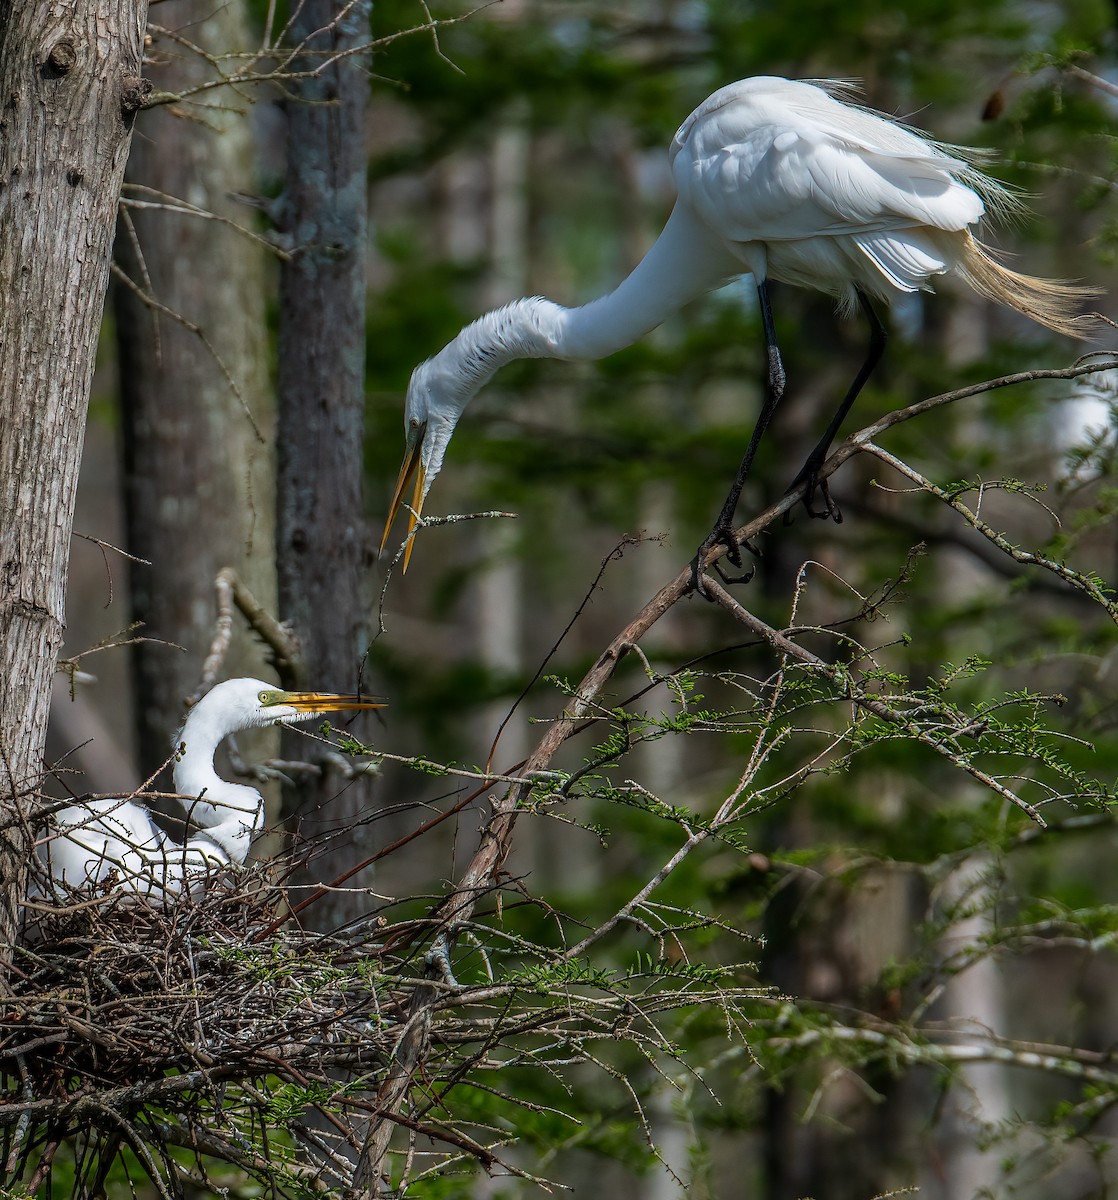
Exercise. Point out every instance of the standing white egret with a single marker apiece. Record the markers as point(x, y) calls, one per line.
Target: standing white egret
point(782, 180)
point(115, 843)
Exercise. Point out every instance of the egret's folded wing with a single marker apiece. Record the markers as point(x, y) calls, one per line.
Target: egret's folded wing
point(779, 184)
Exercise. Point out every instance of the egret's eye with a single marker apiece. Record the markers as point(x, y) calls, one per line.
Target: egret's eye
point(414, 422)
point(263, 697)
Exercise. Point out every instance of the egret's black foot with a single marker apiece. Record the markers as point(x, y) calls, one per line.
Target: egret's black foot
point(809, 475)
point(721, 535)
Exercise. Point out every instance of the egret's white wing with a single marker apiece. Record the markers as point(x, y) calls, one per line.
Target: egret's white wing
point(786, 161)
point(781, 185)
point(115, 842)
point(903, 256)
point(824, 107)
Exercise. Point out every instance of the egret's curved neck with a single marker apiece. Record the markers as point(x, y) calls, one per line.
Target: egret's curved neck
point(685, 261)
point(195, 775)
point(523, 329)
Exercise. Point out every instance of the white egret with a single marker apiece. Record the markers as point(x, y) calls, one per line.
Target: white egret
point(114, 843)
point(782, 180)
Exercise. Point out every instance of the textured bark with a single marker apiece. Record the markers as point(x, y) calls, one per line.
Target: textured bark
point(199, 475)
point(69, 88)
point(324, 552)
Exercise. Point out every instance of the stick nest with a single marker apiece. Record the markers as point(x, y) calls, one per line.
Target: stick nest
point(123, 1008)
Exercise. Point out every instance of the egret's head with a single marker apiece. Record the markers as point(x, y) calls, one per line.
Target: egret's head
point(434, 403)
point(277, 706)
point(250, 703)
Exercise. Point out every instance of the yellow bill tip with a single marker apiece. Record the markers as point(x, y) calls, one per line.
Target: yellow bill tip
point(414, 515)
point(412, 465)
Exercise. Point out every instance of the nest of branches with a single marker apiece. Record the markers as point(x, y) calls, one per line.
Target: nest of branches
point(207, 1040)
point(130, 1020)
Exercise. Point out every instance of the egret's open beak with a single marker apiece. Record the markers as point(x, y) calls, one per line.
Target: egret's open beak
point(321, 701)
point(412, 465)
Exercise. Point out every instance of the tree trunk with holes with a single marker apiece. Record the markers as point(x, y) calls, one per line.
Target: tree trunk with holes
point(70, 85)
point(324, 551)
point(195, 392)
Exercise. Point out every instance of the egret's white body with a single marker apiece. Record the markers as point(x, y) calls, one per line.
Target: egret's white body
point(114, 843)
point(801, 186)
point(780, 179)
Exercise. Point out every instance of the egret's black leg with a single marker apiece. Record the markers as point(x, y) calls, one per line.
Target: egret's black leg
point(809, 472)
point(723, 532)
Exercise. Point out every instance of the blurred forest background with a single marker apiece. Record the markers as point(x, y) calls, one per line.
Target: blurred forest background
point(933, 977)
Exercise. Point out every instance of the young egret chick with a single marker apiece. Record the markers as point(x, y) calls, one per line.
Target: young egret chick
point(780, 180)
point(114, 843)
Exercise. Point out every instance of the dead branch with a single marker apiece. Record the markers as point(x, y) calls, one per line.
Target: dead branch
point(230, 592)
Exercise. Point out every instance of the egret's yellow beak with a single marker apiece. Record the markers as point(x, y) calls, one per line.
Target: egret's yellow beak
point(321, 701)
point(412, 465)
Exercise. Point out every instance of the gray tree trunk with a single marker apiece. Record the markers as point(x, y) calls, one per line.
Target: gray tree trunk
point(324, 552)
point(70, 78)
point(199, 468)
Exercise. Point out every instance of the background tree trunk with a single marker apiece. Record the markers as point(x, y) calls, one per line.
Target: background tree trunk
point(323, 548)
point(70, 78)
point(196, 413)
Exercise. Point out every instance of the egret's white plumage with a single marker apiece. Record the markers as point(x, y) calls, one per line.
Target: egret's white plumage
point(783, 180)
point(808, 189)
point(114, 843)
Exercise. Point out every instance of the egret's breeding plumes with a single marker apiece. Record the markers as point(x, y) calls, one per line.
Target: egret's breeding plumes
point(781, 180)
point(114, 843)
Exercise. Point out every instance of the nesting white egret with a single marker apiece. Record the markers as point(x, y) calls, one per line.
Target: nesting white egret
point(115, 843)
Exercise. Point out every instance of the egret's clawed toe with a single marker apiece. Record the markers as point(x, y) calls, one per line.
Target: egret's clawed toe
point(725, 537)
point(808, 478)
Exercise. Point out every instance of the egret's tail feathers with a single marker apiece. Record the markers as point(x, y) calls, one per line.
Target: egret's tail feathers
point(1050, 302)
